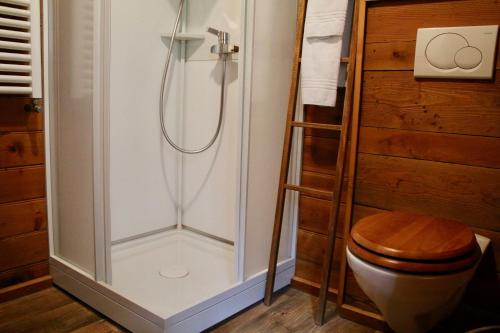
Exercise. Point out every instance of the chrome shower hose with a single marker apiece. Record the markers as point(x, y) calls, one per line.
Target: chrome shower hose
point(162, 95)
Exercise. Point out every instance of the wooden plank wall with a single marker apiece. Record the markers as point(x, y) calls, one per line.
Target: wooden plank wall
point(23, 215)
point(430, 146)
point(24, 248)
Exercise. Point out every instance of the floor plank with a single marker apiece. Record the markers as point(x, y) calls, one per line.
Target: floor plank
point(101, 326)
point(52, 310)
point(291, 311)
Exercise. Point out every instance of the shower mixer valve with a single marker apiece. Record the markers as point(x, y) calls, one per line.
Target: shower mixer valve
point(223, 48)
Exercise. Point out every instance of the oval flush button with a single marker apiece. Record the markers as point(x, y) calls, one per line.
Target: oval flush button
point(441, 50)
point(468, 57)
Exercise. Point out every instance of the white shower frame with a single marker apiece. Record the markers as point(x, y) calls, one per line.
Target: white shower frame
point(94, 289)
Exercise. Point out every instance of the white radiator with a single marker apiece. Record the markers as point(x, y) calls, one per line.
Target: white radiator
point(20, 48)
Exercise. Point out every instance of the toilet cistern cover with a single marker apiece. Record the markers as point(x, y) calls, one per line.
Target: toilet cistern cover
point(413, 236)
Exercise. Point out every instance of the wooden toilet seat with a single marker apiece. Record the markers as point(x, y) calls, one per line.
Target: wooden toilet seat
point(414, 243)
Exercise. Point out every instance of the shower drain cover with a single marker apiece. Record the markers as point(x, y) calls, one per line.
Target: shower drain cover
point(174, 272)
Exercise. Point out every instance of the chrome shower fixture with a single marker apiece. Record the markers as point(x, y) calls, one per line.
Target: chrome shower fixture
point(223, 48)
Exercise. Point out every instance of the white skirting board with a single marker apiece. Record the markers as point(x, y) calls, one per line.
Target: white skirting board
point(195, 319)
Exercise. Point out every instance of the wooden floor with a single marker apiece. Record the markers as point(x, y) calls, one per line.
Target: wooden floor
point(54, 311)
point(291, 311)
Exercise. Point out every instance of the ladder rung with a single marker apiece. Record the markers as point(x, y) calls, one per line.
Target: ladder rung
point(343, 60)
point(317, 125)
point(320, 194)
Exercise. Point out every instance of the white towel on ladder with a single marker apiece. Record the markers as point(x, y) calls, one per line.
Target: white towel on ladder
point(321, 51)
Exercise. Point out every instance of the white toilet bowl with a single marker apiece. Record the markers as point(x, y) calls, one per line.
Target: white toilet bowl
point(412, 303)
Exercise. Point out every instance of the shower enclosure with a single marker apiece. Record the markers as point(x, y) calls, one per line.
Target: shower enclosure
point(157, 239)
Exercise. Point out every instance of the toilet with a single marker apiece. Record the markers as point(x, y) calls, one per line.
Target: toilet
point(415, 268)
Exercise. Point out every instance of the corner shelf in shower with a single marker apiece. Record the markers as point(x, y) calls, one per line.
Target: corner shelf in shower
point(187, 36)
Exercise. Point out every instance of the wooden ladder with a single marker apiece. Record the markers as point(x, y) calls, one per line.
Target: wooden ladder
point(333, 195)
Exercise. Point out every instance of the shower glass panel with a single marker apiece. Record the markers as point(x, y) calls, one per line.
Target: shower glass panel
point(71, 132)
point(172, 216)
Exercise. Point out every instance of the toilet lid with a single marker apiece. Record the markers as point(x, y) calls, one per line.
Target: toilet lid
point(412, 266)
point(414, 237)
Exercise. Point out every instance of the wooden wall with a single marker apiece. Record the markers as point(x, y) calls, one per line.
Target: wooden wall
point(23, 213)
point(24, 247)
point(23, 216)
point(430, 146)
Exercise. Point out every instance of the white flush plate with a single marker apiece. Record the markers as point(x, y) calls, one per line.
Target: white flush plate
point(456, 52)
